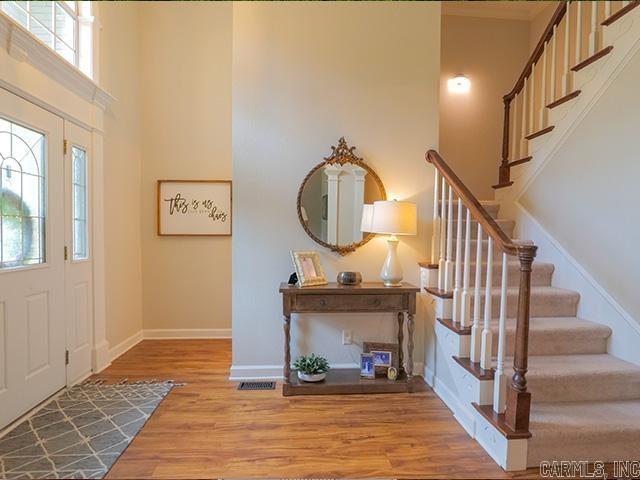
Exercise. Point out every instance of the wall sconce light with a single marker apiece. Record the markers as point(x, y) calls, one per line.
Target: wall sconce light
point(459, 84)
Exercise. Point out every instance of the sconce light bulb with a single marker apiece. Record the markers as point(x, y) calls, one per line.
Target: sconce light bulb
point(459, 84)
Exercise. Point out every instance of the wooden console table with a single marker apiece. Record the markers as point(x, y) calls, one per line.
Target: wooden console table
point(363, 298)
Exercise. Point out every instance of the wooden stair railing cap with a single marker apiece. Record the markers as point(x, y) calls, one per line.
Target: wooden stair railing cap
point(478, 212)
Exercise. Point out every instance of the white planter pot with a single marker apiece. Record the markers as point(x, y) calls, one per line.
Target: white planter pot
point(311, 377)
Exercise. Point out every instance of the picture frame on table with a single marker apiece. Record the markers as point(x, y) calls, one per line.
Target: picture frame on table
point(385, 355)
point(308, 268)
point(367, 366)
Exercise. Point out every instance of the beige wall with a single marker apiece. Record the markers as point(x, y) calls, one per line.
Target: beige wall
point(491, 53)
point(119, 57)
point(304, 75)
point(186, 134)
point(539, 23)
point(587, 195)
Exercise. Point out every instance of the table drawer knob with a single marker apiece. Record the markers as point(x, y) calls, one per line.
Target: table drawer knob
point(323, 303)
point(376, 302)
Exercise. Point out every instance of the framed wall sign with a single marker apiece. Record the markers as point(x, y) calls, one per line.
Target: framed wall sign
point(194, 207)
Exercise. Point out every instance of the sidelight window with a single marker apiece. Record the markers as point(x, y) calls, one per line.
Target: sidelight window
point(79, 193)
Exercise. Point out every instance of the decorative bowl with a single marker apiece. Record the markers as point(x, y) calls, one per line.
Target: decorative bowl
point(349, 278)
point(311, 377)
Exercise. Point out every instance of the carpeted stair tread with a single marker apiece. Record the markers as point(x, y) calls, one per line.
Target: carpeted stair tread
point(557, 336)
point(541, 273)
point(546, 301)
point(497, 253)
point(602, 431)
point(576, 378)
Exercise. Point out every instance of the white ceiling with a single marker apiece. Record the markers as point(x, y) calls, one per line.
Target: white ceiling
point(515, 10)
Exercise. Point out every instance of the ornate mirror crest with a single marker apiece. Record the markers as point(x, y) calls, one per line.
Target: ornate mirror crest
point(331, 198)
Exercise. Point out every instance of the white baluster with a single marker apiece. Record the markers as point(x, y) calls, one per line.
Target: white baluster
point(500, 379)
point(514, 129)
point(465, 298)
point(532, 100)
point(443, 234)
point(593, 35)
point(607, 9)
point(543, 88)
point(457, 290)
point(448, 265)
point(524, 129)
point(485, 356)
point(578, 32)
point(554, 50)
point(476, 336)
point(567, 67)
point(435, 237)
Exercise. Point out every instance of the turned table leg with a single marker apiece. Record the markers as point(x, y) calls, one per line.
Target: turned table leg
point(287, 348)
point(410, 328)
point(400, 342)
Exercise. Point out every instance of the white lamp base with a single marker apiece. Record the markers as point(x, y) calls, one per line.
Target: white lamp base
point(391, 273)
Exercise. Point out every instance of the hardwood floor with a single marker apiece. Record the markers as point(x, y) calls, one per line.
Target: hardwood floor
point(208, 429)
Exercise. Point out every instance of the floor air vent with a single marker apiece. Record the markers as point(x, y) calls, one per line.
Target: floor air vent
point(257, 386)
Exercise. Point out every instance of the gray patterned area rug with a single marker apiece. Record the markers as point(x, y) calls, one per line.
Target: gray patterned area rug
point(81, 432)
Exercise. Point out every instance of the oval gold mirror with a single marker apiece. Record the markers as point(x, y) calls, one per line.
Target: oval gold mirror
point(333, 197)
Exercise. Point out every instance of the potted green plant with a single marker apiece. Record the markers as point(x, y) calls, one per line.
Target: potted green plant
point(312, 368)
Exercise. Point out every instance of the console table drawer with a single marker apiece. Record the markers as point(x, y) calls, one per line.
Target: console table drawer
point(349, 303)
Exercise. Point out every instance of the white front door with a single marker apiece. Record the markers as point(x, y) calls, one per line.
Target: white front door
point(78, 271)
point(32, 267)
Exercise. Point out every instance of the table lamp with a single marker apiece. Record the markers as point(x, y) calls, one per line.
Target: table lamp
point(393, 218)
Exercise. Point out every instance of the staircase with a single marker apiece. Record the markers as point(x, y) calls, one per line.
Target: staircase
point(566, 397)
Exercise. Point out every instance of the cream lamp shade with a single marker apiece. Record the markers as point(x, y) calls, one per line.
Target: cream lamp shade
point(367, 218)
point(394, 218)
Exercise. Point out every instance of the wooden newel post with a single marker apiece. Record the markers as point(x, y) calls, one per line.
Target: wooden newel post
point(503, 173)
point(518, 402)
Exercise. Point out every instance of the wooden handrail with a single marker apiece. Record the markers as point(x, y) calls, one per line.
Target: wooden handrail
point(471, 202)
point(556, 18)
point(538, 51)
point(518, 399)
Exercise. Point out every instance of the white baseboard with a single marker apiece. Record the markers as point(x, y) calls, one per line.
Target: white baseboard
point(428, 375)
point(125, 345)
point(239, 373)
point(100, 357)
point(185, 333)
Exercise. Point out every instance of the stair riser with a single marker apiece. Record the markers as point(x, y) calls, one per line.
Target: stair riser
point(541, 305)
point(584, 388)
point(554, 343)
point(507, 226)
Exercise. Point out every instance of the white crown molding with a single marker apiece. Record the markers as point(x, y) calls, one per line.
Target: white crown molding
point(25, 47)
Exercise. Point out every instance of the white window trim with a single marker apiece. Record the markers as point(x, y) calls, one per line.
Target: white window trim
point(23, 46)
